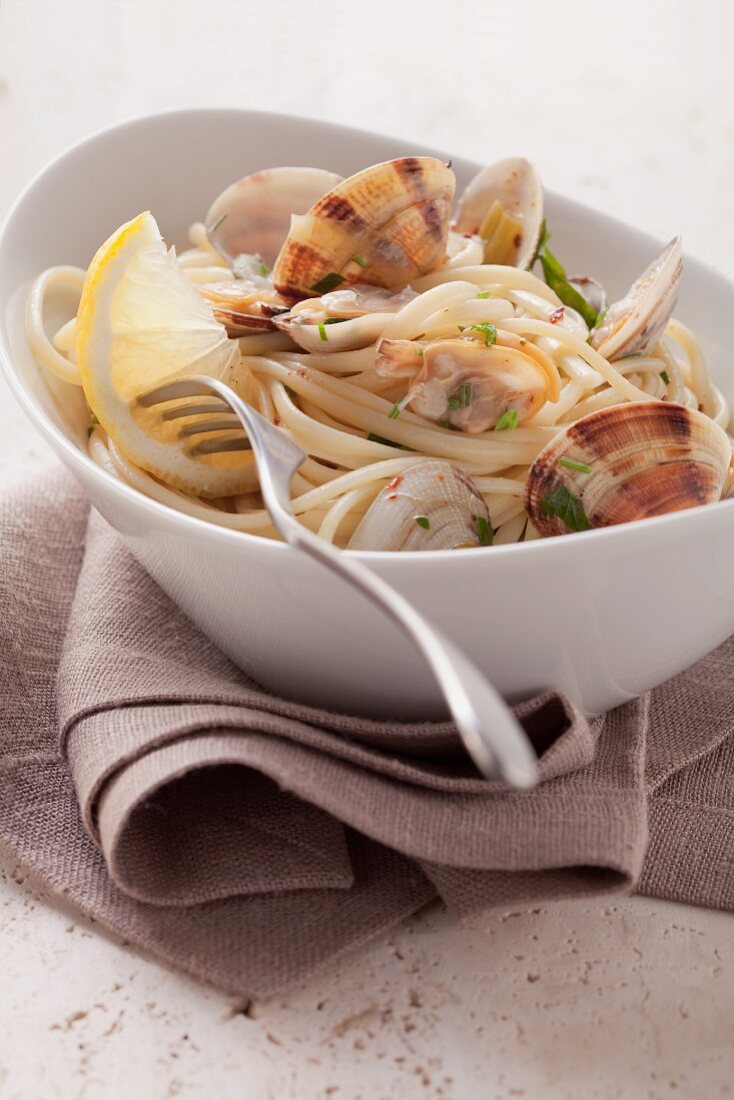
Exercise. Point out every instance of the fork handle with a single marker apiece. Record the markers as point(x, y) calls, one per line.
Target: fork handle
point(491, 733)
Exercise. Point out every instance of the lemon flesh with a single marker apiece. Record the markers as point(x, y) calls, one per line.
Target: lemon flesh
point(142, 323)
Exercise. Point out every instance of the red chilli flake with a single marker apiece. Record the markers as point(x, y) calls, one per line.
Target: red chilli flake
point(276, 421)
point(395, 482)
point(392, 496)
point(557, 315)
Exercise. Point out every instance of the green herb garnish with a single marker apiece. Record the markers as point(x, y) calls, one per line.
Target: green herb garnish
point(453, 403)
point(360, 260)
point(542, 242)
point(484, 294)
point(424, 522)
point(485, 534)
point(508, 421)
point(555, 276)
point(264, 269)
point(397, 408)
point(322, 331)
point(374, 438)
point(329, 282)
point(94, 419)
point(568, 508)
point(665, 377)
point(569, 463)
point(336, 320)
point(419, 351)
point(466, 395)
point(488, 331)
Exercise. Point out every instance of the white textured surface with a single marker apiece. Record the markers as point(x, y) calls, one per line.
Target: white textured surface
point(629, 107)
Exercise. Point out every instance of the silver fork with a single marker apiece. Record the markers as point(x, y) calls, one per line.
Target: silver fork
point(490, 731)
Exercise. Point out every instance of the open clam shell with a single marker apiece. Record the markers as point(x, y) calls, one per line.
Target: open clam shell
point(252, 216)
point(504, 205)
point(624, 463)
point(243, 307)
point(430, 506)
point(384, 226)
point(636, 322)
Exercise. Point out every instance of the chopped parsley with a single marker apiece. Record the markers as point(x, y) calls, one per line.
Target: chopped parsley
point(488, 331)
point(419, 351)
point(570, 464)
point(568, 508)
point(453, 403)
point(264, 269)
point(360, 260)
point(374, 438)
point(485, 534)
point(542, 242)
point(397, 408)
point(322, 331)
point(466, 395)
point(424, 522)
point(665, 377)
point(95, 419)
point(484, 294)
point(329, 282)
point(508, 421)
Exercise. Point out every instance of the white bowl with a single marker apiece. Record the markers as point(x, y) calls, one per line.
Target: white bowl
point(603, 615)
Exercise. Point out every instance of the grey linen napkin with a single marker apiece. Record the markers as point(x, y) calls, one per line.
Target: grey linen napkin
point(249, 839)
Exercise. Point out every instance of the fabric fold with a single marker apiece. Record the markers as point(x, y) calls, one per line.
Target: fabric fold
point(249, 839)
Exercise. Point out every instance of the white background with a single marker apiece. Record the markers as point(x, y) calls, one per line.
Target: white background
point(628, 106)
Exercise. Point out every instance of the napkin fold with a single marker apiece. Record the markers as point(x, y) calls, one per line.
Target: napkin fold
point(250, 839)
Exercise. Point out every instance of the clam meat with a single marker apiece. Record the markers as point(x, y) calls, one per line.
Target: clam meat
point(342, 320)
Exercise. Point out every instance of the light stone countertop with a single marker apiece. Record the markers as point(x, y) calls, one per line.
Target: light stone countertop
point(628, 107)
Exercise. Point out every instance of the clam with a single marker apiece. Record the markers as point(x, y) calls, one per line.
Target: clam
point(591, 291)
point(242, 306)
point(464, 384)
point(384, 226)
point(635, 323)
point(342, 320)
point(430, 506)
point(624, 463)
point(504, 205)
point(252, 216)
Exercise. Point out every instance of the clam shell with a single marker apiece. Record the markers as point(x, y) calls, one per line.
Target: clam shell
point(515, 185)
point(253, 214)
point(242, 307)
point(646, 458)
point(433, 490)
point(393, 217)
point(636, 322)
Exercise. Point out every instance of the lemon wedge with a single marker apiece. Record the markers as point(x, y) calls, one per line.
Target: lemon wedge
point(141, 323)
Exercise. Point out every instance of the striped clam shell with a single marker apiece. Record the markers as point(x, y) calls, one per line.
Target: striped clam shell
point(645, 459)
point(440, 495)
point(393, 217)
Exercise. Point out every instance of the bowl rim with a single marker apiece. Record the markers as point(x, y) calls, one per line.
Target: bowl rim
point(548, 546)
